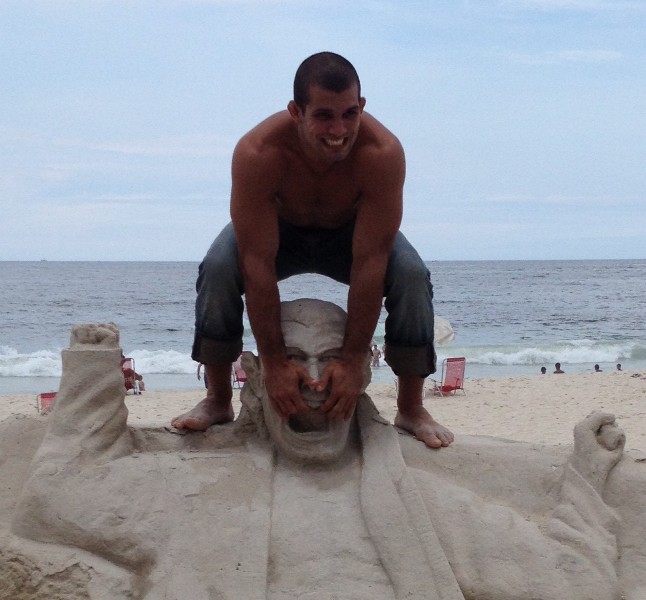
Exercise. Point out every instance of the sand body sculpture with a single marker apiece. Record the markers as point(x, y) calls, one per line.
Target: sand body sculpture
point(101, 510)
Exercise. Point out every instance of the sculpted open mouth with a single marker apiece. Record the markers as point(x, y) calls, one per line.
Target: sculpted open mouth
point(309, 423)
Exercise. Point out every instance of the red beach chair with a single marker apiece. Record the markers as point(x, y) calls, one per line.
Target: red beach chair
point(130, 375)
point(45, 402)
point(238, 375)
point(452, 377)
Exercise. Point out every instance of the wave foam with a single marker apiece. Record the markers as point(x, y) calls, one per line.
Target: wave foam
point(47, 363)
point(570, 352)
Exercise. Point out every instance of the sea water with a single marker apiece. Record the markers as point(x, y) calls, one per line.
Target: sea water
point(509, 317)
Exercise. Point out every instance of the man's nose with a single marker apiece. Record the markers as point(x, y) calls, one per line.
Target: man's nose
point(337, 127)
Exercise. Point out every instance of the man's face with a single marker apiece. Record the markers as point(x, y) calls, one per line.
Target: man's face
point(329, 124)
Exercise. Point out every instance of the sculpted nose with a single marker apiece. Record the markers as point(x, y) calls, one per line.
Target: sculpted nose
point(312, 367)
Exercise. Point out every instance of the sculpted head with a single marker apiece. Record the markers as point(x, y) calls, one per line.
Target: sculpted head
point(313, 331)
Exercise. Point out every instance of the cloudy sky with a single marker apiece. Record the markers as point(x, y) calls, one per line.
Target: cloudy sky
point(523, 121)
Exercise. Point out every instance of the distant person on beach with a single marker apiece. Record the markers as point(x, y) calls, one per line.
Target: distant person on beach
point(557, 368)
point(317, 188)
point(376, 356)
point(618, 366)
point(597, 369)
point(543, 370)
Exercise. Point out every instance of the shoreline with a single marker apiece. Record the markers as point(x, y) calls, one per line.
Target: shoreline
point(531, 408)
point(169, 382)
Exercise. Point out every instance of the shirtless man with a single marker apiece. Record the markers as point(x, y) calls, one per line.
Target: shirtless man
point(317, 188)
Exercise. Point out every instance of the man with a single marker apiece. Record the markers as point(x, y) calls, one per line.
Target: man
point(376, 355)
point(317, 189)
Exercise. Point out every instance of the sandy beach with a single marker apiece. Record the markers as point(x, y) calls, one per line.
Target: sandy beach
point(537, 408)
point(106, 515)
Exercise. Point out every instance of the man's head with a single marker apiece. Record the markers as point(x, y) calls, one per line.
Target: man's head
point(327, 107)
point(313, 331)
point(326, 70)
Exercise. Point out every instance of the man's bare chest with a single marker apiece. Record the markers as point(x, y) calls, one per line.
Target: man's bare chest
point(318, 201)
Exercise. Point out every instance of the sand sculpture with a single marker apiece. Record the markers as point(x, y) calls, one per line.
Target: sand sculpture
point(254, 510)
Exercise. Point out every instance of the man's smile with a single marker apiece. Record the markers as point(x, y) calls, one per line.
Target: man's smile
point(335, 142)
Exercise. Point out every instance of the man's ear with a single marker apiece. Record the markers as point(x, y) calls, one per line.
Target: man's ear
point(362, 103)
point(294, 110)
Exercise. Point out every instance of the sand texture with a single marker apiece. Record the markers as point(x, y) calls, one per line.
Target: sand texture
point(534, 500)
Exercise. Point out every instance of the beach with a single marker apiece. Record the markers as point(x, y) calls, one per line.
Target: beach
point(115, 502)
point(536, 408)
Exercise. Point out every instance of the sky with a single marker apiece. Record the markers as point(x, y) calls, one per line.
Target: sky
point(523, 121)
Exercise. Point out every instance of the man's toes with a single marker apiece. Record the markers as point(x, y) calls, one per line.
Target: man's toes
point(446, 437)
point(179, 422)
point(430, 439)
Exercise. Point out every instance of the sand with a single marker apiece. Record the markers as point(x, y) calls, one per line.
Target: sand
point(538, 408)
point(121, 504)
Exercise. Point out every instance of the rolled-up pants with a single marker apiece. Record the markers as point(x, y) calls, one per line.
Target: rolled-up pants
point(407, 291)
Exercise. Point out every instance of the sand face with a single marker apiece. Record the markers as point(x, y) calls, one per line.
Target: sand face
point(541, 409)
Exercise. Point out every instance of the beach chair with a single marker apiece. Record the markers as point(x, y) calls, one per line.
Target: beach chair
point(452, 377)
point(45, 402)
point(238, 375)
point(130, 375)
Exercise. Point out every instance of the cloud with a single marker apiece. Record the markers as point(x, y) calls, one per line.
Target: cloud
point(201, 146)
point(574, 5)
point(551, 57)
point(559, 200)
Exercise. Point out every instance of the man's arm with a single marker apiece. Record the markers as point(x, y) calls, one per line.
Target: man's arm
point(378, 218)
point(255, 220)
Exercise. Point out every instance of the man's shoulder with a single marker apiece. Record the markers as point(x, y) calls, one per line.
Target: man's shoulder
point(378, 151)
point(263, 147)
point(374, 136)
point(275, 131)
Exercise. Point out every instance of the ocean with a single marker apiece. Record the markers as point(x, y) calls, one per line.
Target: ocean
point(509, 317)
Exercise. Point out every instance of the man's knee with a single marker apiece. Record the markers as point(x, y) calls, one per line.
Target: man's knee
point(410, 278)
point(220, 265)
point(416, 272)
point(216, 265)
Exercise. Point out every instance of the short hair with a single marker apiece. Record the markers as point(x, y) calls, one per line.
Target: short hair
point(326, 69)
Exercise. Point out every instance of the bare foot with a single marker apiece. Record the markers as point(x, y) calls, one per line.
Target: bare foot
point(418, 421)
point(204, 414)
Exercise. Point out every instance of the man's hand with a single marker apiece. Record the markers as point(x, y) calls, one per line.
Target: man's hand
point(345, 379)
point(283, 382)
